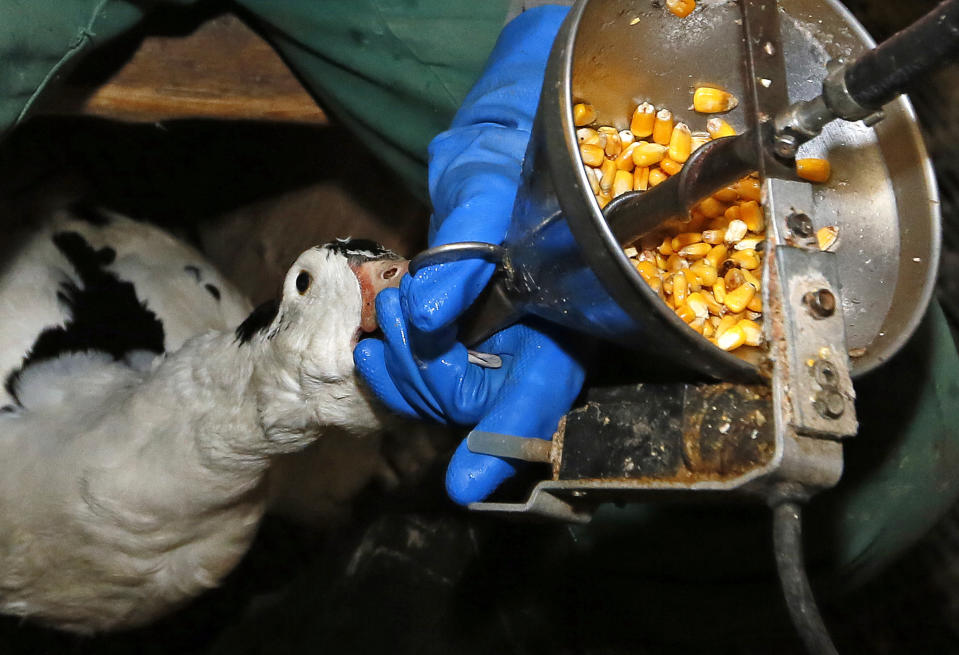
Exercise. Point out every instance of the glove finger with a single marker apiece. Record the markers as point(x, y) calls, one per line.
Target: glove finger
point(438, 295)
point(471, 477)
point(401, 366)
point(370, 360)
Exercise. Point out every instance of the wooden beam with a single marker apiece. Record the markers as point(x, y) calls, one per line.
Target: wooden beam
point(222, 70)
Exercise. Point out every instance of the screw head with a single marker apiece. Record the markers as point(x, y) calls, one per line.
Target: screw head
point(825, 373)
point(821, 303)
point(800, 224)
point(830, 404)
point(786, 145)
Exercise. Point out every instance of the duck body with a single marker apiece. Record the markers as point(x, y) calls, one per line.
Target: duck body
point(142, 412)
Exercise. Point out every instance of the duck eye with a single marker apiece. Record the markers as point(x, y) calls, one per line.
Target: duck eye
point(303, 281)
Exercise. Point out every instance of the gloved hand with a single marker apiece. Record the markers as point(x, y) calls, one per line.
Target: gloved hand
point(421, 374)
point(420, 369)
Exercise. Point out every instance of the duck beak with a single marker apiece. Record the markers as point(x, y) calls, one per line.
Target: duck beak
point(374, 276)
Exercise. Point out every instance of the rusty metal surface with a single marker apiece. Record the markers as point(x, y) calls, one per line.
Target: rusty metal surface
point(682, 433)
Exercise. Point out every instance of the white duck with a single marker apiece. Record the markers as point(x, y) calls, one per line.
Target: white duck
point(138, 422)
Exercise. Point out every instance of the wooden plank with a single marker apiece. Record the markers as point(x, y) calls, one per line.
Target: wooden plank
point(222, 70)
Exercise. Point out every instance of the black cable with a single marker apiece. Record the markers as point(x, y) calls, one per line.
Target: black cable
point(787, 544)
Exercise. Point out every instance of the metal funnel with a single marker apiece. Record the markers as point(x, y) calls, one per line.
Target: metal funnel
point(616, 54)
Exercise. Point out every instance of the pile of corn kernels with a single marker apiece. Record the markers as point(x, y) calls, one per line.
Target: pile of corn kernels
point(710, 271)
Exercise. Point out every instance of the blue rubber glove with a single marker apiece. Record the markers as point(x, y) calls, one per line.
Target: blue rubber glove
point(474, 167)
point(419, 369)
point(420, 374)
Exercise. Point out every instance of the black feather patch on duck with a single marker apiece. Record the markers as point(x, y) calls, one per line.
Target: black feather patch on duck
point(358, 251)
point(105, 313)
point(259, 320)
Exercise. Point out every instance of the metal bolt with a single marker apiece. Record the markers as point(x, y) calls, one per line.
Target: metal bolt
point(578, 493)
point(830, 404)
point(825, 373)
point(800, 224)
point(821, 303)
point(786, 145)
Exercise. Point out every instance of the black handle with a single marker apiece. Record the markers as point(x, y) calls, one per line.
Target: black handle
point(886, 71)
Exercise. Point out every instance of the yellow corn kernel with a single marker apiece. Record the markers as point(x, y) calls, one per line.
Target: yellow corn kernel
point(754, 333)
point(647, 154)
point(663, 127)
point(735, 231)
point(592, 154)
point(737, 299)
point(641, 178)
point(756, 304)
point(713, 237)
point(675, 263)
point(622, 182)
point(624, 160)
point(717, 255)
point(680, 288)
point(683, 239)
point(648, 270)
point(660, 262)
point(704, 271)
point(752, 279)
point(656, 284)
point(813, 169)
point(642, 122)
point(680, 143)
point(750, 242)
point(749, 189)
point(733, 279)
point(583, 114)
point(710, 100)
point(725, 323)
point(681, 8)
point(695, 251)
point(669, 166)
point(666, 247)
point(711, 208)
point(592, 179)
point(727, 195)
point(613, 145)
point(746, 258)
point(731, 339)
point(667, 285)
point(603, 200)
point(718, 128)
point(626, 137)
point(827, 236)
point(752, 215)
point(697, 140)
point(696, 301)
point(715, 308)
point(684, 312)
point(719, 290)
point(656, 176)
point(708, 329)
point(609, 174)
point(733, 213)
point(587, 135)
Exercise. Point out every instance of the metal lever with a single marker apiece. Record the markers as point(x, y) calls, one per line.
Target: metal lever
point(498, 306)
